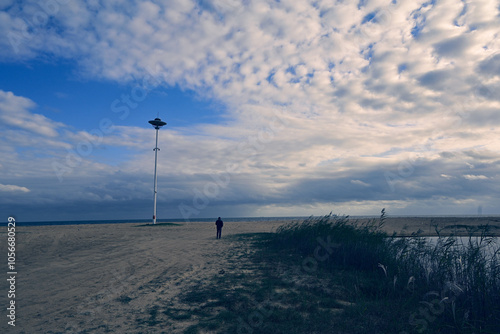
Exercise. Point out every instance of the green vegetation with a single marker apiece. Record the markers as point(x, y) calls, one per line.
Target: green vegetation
point(332, 275)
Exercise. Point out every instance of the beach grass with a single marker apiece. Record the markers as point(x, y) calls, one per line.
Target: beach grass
point(332, 275)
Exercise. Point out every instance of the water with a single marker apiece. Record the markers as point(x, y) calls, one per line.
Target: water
point(488, 249)
point(212, 219)
point(142, 221)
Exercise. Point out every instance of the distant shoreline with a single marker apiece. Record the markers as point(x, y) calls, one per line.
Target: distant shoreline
point(148, 221)
point(446, 225)
point(401, 225)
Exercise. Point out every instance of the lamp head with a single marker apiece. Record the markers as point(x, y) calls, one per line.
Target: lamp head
point(157, 123)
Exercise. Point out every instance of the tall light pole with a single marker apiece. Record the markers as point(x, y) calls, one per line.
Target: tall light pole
point(157, 124)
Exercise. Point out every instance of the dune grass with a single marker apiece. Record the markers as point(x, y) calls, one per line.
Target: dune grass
point(455, 283)
point(332, 275)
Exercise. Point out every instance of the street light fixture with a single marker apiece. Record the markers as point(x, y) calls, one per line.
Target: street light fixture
point(157, 124)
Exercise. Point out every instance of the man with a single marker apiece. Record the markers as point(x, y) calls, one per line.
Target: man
point(219, 223)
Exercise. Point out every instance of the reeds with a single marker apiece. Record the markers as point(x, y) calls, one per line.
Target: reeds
point(351, 245)
point(462, 274)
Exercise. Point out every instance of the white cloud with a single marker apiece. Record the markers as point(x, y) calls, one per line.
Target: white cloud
point(14, 112)
point(13, 188)
point(475, 177)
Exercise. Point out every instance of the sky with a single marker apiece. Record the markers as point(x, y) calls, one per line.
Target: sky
point(273, 108)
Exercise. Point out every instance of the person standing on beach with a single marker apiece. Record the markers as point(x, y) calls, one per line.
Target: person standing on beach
point(219, 223)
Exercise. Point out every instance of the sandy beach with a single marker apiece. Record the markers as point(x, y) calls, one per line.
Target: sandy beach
point(108, 277)
point(98, 278)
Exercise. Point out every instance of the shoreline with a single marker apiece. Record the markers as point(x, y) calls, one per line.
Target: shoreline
point(447, 226)
point(284, 219)
point(401, 226)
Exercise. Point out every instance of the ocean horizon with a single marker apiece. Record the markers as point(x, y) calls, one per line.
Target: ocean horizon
point(228, 219)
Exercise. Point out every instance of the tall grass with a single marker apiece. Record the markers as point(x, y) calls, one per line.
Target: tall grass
point(463, 277)
point(352, 245)
point(465, 272)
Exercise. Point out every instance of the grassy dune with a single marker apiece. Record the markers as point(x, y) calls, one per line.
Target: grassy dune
point(333, 275)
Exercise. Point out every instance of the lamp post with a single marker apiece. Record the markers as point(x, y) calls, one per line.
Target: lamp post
point(157, 124)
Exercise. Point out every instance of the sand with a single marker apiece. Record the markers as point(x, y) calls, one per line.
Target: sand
point(108, 277)
point(98, 278)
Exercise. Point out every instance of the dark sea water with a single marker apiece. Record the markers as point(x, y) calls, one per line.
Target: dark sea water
point(143, 221)
point(212, 219)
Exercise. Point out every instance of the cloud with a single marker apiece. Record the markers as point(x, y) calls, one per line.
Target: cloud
point(437, 80)
point(490, 66)
point(360, 183)
point(453, 47)
point(13, 188)
point(14, 112)
point(475, 177)
point(364, 89)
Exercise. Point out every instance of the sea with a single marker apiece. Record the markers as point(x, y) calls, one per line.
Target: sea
point(143, 221)
point(212, 219)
